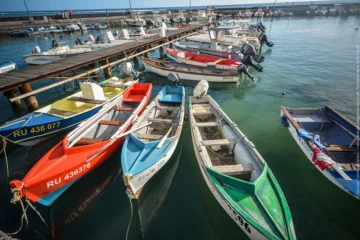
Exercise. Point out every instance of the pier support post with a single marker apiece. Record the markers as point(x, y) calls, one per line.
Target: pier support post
point(147, 54)
point(170, 44)
point(31, 101)
point(11, 94)
point(107, 70)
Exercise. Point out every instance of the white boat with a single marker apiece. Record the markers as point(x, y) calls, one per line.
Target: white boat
point(259, 13)
point(248, 13)
point(101, 26)
point(147, 150)
point(7, 67)
point(36, 57)
point(190, 72)
point(102, 41)
point(235, 172)
point(217, 34)
point(136, 22)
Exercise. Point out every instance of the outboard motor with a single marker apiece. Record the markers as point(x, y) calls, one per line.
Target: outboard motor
point(201, 89)
point(149, 24)
point(263, 39)
point(172, 21)
point(247, 60)
point(36, 49)
point(260, 25)
point(174, 79)
point(54, 44)
point(247, 49)
point(243, 69)
point(79, 42)
point(181, 21)
point(129, 71)
point(91, 38)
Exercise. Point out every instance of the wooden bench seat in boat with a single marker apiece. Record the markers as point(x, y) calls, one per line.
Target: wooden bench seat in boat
point(340, 148)
point(61, 112)
point(234, 169)
point(108, 122)
point(217, 142)
point(161, 120)
point(201, 111)
point(168, 108)
point(86, 141)
point(85, 100)
point(207, 124)
point(149, 136)
point(346, 166)
point(124, 109)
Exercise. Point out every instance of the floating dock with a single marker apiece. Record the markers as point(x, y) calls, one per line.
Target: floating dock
point(14, 82)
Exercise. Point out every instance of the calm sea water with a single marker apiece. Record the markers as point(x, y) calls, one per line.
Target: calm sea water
point(313, 61)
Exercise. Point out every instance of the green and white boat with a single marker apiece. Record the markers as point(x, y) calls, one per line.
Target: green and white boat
point(237, 175)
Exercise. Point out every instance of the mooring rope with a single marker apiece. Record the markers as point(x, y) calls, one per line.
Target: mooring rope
point(18, 198)
point(128, 193)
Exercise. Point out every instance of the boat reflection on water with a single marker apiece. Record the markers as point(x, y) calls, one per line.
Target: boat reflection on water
point(154, 194)
point(82, 196)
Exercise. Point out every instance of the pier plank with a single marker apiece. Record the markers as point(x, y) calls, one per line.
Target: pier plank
point(35, 73)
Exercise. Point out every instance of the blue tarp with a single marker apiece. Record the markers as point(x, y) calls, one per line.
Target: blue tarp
point(309, 136)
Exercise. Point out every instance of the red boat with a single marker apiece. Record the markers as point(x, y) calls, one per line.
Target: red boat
point(85, 148)
point(201, 59)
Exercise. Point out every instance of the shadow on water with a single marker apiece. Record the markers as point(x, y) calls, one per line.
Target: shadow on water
point(82, 196)
point(153, 195)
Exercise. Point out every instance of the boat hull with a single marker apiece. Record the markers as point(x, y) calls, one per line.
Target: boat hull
point(17, 132)
point(247, 228)
point(5, 68)
point(198, 63)
point(309, 155)
point(191, 76)
point(39, 59)
point(203, 51)
point(139, 180)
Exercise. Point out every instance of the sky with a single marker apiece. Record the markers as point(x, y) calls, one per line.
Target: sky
point(40, 5)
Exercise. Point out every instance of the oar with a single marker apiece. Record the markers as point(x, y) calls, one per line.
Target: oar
point(341, 172)
point(164, 138)
point(133, 130)
point(121, 135)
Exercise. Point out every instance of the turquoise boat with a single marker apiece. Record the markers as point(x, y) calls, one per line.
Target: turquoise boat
point(147, 150)
point(237, 175)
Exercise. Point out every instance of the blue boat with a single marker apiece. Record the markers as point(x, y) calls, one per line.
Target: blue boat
point(154, 138)
point(329, 141)
point(62, 115)
point(18, 33)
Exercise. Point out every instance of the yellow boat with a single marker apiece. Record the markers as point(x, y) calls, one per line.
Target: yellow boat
point(64, 114)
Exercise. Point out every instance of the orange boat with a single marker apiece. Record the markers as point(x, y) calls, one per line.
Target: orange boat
point(85, 148)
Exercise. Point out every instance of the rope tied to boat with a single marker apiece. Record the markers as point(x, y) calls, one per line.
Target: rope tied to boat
point(130, 196)
point(18, 198)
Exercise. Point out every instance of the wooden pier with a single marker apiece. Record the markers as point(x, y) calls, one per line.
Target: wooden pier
point(19, 81)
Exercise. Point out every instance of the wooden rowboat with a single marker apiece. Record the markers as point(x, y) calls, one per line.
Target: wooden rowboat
point(328, 140)
point(64, 114)
point(190, 72)
point(85, 148)
point(201, 59)
point(237, 175)
point(146, 151)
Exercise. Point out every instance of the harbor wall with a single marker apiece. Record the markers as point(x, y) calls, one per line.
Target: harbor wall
point(115, 19)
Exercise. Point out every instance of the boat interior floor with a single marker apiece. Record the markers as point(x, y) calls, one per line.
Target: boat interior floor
point(219, 154)
point(162, 117)
point(109, 124)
